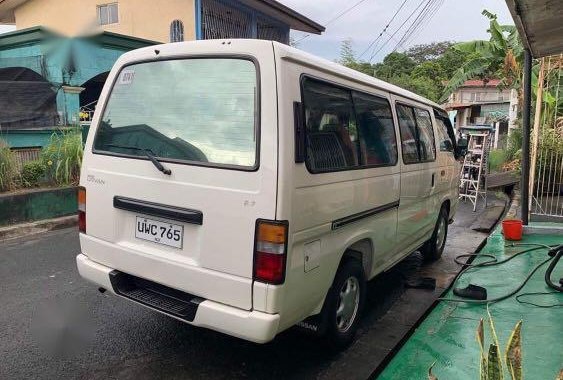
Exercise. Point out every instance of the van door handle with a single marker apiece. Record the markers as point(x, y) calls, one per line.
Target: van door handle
point(433, 177)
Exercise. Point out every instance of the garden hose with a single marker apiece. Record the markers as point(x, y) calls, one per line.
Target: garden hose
point(558, 252)
point(493, 262)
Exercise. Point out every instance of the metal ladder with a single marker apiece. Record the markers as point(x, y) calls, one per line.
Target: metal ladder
point(475, 169)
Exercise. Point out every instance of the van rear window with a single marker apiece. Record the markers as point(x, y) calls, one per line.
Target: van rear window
point(201, 111)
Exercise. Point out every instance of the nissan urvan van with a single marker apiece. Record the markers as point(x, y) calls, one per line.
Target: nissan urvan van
point(246, 187)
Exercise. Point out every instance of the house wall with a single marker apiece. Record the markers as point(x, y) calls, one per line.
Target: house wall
point(467, 95)
point(50, 58)
point(143, 19)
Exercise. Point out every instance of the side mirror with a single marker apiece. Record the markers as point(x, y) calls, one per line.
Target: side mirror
point(447, 145)
point(462, 145)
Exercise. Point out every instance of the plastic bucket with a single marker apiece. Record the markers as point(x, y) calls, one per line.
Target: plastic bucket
point(512, 229)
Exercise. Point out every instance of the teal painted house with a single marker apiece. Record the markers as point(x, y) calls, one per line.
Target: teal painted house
point(51, 78)
point(45, 79)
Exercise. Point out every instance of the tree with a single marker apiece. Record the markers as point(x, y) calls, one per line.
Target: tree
point(428, 52)
point(394, 64)
point(451, 60)
point(421, 69)
point(348, 59)
point(499, 57)
point(347, 55)
point(422, 86)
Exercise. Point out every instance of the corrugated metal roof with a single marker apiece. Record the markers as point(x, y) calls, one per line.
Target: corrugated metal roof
point(480, 83)
point(540, 24)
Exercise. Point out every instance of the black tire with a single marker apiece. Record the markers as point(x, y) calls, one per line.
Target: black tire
point(337, 336)
point(432, 250)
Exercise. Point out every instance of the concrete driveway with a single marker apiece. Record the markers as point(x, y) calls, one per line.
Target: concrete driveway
point(54, 325)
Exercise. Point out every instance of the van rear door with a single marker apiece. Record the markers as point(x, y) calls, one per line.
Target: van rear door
point(197, 118)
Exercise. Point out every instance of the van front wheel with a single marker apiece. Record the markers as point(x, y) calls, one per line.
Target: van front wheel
point(432, 250)
point(344, 303)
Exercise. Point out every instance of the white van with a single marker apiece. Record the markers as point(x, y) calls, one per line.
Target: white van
point(245, 186)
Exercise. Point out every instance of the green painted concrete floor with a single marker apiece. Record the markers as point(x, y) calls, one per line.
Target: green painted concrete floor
point(447, 335)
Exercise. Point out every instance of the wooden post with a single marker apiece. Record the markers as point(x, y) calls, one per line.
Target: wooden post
point(536, 131)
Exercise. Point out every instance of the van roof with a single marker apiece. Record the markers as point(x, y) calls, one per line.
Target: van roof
point(284, 51)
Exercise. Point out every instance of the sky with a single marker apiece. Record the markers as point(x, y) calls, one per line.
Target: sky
point(455, 20)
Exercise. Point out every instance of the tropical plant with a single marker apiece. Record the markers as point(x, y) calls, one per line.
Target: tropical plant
point(499, 57)
point(497, 158)
point(491, 367)
point(62, 157)
point(8, 168)
point(422, 69)
point(32, 173)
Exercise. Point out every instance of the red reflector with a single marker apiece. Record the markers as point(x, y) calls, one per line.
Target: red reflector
point(82, 221)
point(269, 267)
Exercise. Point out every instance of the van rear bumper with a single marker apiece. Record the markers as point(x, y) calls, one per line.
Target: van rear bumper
point(254, 326)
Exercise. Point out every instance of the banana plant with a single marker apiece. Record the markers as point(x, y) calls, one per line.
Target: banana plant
point(499, 57)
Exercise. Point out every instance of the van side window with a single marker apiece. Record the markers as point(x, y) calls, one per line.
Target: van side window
point(417, 134)
point(446, 134)
point(407, 127)
point(378, 143)
point(427, 147)
point(332, 136)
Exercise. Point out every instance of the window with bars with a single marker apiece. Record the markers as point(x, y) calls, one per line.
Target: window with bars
point(176, 31)
point(108, 14)
point(267, 30)
point(220, 19)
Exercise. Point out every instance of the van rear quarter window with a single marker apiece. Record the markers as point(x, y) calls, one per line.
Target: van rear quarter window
point(346, 129)
point(198, 111)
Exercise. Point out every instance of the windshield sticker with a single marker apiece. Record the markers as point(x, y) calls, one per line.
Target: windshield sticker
point(126, 77)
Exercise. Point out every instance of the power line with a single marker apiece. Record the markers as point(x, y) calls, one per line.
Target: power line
point(383, 31)
point(420, 22)
point(338, 16)
point(396, 31)
point(415, 23)
point(435, 11)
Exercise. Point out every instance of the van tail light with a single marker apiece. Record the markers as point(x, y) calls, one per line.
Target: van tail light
point(82, 209)
point(270, 251)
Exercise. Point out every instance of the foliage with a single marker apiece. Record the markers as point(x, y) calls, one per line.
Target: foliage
point(551, 140)
point(394, 64)
point(8, 169)
point(32, 173)
point(497, 158)
point(428, 52)
point(348, 59)
point(422, 85)
point(63, 156)
point(422, 69)
point(491, 367)
point(499, 57)
point(514, 144)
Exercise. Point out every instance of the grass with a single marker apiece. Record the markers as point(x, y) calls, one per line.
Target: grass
point(497, 158)
point(8, 169)
point(63, 157)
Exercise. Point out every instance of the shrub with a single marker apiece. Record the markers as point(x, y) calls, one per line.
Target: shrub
point(63, 157)
point(497, 158)
point(514, 144)
point(8, 168)
point(32, 173)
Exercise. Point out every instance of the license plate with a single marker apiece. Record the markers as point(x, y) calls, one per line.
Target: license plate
point(159, 232)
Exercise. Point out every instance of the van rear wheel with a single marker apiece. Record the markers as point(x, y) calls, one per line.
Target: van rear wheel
point(432, 250)
point(344, 304)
